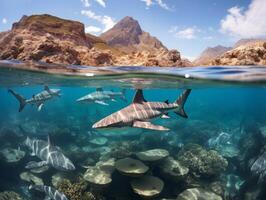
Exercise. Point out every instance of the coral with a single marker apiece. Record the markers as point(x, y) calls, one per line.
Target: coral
point(202, 162)
point(9, 195)
point(74, 191)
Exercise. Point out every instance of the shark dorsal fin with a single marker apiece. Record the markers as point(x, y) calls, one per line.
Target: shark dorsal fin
point(47, 88)
point(167, 101)
point(139, 98)
point(99, 89)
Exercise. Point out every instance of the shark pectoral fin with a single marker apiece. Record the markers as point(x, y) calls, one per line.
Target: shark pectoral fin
point(47, 198)
point(34, 164)
point(40, 106)
point(165, 116)
point(149, 125)
point(102, 103)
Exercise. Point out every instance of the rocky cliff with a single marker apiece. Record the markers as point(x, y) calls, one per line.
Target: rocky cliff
point(54, 40)
point(250, 53)
point(210, 54)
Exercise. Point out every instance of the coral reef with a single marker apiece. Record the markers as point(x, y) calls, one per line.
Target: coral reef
point(10, 195)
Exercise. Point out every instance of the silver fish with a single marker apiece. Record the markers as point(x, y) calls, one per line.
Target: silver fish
point(50, 192)
point(37, 99)
point(100, 96)
point(49, 155)
point(139, 112)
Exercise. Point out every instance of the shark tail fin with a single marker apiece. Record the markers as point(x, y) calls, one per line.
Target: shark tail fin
point(123, 96)
point(181, 102)
point(21, 99)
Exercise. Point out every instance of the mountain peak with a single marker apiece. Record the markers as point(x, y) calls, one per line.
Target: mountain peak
point(128, 35)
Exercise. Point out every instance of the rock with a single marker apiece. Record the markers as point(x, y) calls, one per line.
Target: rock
point(29, 177)
point(202, 162)
point(12, 155)
point(40, 170)
point(107, 166)
point(97, 177)
point(99, 141)
point(131, 167)
point(152, 155)
point(147, 186)
point(198, 194)
point(10, 195)
point(173, 170)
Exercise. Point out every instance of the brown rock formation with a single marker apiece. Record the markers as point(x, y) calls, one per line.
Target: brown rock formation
point(53, 40)
point(128, 36)
point(251, 53)
point(210, 54)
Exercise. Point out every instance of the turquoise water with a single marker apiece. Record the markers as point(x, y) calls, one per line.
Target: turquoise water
point(225, 116)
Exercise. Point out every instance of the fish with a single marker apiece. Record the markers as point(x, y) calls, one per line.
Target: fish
point(50, 192)
point(49, 155)
point(258, 168)
point(37, 99)
point(100, 97)
point(139, 113)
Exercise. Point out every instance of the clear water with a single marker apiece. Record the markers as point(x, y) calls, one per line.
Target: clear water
point(217, 106)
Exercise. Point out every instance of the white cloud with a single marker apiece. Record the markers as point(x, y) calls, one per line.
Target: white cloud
point(105, 20)
point(87, 4)
point(92, 29)
point(246, 23)
point(161, 3)
point(187, 33)
point(101, 2)
point(4, 20)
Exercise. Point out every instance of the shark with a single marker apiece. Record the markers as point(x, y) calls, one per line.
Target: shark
point(49, 154)
point(139, 113)
point(37, 99)
point(100, 96)
point(50, 192)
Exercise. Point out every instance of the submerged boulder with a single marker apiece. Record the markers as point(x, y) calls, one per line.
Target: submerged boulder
point(202, 162)
point(147, 186)
point(29, 177)
point(99, 141)
point(131, 167)
point(198, 194)
point(97, 177)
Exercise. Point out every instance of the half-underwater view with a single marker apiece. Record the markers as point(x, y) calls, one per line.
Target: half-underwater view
point(132, 100)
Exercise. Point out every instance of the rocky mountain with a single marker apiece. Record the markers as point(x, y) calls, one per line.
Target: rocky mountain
point(210, 54)
point(128, 36)
point(54, 40)
point(249, 53)
point(247, 41)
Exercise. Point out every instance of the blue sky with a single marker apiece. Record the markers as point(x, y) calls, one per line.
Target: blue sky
point(189, 26)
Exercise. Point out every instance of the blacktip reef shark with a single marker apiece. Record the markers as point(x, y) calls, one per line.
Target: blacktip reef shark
point(140, 112)
point(37, 99)
point(100, 96)
point(49, 154)
point(50, 192)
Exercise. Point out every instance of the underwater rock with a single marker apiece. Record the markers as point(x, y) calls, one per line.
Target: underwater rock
point(198, 194)
point(12, 155)
point(202, 162)
point(29, 177)
point(10, 195)
point(147, 186)
point(173, 169)
point(97, 177)
point(131, 167)
point(99, 141)
point(152, 155)
point(73, 191)
point(107, 166)
point(58, 178)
